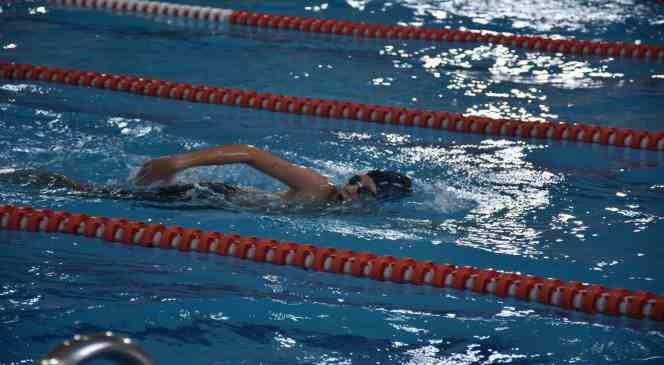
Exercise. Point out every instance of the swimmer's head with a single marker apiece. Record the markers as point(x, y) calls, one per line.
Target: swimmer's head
point(377, 184)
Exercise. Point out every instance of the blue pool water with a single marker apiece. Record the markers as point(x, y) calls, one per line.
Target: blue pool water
point(553, 209)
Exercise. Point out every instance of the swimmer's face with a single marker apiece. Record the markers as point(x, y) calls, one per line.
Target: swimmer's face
point(357, 187)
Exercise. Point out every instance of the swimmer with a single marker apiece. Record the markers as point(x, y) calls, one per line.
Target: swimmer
point(305, 185)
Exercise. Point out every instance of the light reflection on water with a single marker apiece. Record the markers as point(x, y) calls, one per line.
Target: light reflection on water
point(503, 82)
point(503, 186)
point(537, 68)
point(533, 15)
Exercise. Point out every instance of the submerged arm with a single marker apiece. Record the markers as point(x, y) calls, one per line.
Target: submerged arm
point(296, 177)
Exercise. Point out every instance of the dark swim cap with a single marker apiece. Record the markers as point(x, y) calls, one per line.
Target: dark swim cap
point(390, 184)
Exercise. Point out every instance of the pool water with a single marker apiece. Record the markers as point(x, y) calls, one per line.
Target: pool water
point(583, 212)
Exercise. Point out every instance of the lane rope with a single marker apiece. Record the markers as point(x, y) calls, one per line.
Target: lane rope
point(570, 295)
point(328, 108)
point(368, 30)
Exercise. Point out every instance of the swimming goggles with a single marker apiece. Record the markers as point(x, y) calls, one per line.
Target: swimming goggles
point(361, 189)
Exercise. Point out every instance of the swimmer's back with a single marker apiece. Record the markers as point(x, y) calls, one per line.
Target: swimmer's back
point(40, 179)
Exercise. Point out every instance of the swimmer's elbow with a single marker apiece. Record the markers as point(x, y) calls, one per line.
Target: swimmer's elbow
point(251, 154)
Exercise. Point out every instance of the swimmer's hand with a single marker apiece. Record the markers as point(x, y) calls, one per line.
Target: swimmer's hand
point(160, 169)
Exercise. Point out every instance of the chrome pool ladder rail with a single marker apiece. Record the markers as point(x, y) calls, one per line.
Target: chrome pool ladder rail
point(106, 345)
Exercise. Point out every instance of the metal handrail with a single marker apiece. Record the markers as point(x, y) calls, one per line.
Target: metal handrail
point(97, 346)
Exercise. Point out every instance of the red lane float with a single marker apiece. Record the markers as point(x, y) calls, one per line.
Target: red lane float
point(622, 137)
point(366, 30)
point(570, 295)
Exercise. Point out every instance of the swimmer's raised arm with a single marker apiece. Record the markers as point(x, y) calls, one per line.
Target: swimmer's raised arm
point(298, 178)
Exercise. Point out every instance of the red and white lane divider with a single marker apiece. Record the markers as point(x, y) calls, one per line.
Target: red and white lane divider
point(623, 137)
point(203, 13)
point(572, 295)
point(359, 29)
